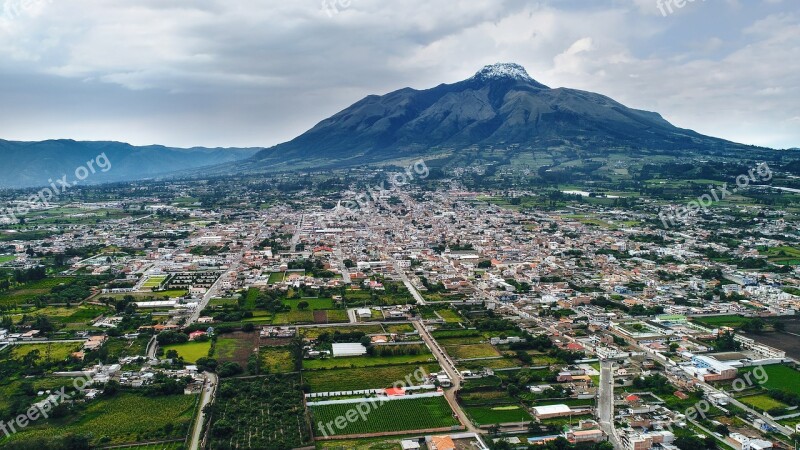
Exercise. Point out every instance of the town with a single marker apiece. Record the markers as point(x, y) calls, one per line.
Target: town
point(433, 315)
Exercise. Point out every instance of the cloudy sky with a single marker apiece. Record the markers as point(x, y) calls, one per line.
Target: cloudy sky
point(259, 72)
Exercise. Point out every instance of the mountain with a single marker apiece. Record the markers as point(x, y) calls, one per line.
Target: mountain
point(501, 106)
point(32, 164)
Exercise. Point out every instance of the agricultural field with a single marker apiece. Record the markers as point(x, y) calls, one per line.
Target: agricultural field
point(364, 378)
point(125, 418)
point(489, 415)
point(399, 328)
point(223, 302)
point(778, 377)
point(275, 277)
point(190, 351)
point(154, 281)
point(57, 351)
point(119, 347)
point(7, 258)
point(450, 316)
point(471, 351)
point(277, 359)
point(235, 347)
point(787, 256)
point(762, 402)
point(365, 361)
point(394, 415)
point(259, 413)
point(731, 320)
point(27, 293)
point(318, 310)
point(314, 332)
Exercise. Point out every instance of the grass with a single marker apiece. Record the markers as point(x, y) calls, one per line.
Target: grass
point(488, 415)
point(450, 316)
point(275, 277)
point(762, 402)
point(7, 258)
point(58, 351)
point(277, 359)
point(227, 349)
point(125, 418)
point(365, 361)
point(190, 351)
point(399, 328)
point(28, 292)
point(782, 255)
point(154, 281)
point(731, 320)
point(779, 377)
point(364, 378)
point(394, 415)
point(471, 351)
point(314, 332)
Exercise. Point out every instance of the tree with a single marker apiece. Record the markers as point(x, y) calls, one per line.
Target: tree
point(302, 306)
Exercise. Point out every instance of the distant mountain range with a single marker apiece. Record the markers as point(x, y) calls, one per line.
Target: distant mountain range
point(500, 107)
point(31, 164)
point(500, 116)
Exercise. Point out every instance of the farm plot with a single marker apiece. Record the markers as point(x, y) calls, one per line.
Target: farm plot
point(154, 282)
point(489, 415)
point(315, 332)
point(259, 413)
point(366, 361)
point(125, 418)
point(471, 351)
point(277, 359)
point(395, 415)
point(191, 351)
point(236, 347)
point(337, 380)
point(779, 377)
point(762, 402)
point(55, 351)
point(29, 292)
point(450, 316)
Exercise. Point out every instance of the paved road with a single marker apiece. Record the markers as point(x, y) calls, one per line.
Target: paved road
point(605, 402)
point(410, 286)
point(455, 377)
point(206, 398)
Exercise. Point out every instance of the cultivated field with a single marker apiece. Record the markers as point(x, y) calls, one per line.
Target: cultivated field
point(394, 415)
point(363, 378)
point(190, 351)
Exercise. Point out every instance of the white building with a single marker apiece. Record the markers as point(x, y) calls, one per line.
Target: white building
point(349, 349)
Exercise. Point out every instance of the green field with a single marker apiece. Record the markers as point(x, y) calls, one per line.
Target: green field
point(471, 351)
point(489, 415)
point(125, 418)
point(277, 359)
point(190, 351)
point(788, 256)
point(762, 402)
point(7, 258)
point(450, 316)
point(275, 277)
point(314, 332)
point(394, 415)
point(30, 291)
point(364, 378)
point(58, 351)
point(731, 320)
point(365, 361)
point(778, 377)
point(154, 281)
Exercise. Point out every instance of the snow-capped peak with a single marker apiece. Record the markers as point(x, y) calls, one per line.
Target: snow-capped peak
point(503, 70)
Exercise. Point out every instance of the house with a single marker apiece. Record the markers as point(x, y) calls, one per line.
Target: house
point(196, 334)
point(550, 411)
point(441, 443)
point(364, 313)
